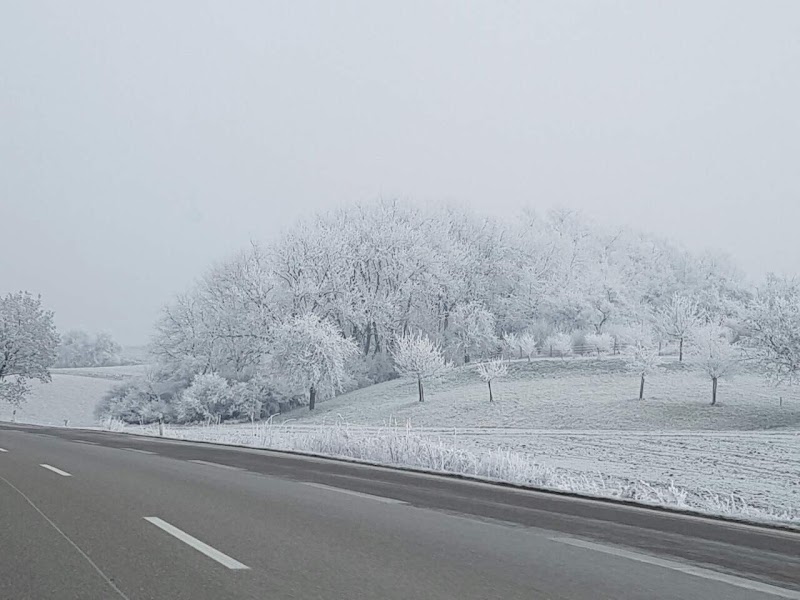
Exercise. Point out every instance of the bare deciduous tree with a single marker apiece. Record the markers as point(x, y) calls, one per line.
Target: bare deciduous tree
point(417, 356)
point(715, 355)
point(491, 370)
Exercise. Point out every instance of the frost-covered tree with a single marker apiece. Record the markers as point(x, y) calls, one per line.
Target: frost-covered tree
point(559, 344)
point(491, 370)
point(527, 345)
point(471, 331)
point(418, 357)
point(772, 329)
point(80, 349)
point(600, 343)
point(311, 353)
point(510, 343)
point(642, 357)
point(678, 319)
point(28, 342)
point(714, 354)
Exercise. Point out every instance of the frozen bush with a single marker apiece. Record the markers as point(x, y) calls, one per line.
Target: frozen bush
point(599, 343)
point(559, 344)
point(137, 401)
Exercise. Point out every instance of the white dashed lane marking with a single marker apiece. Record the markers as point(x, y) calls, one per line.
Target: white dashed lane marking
point(210, 552)
point(55, 470)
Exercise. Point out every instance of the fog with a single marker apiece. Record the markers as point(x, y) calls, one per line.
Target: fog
point(141, 142)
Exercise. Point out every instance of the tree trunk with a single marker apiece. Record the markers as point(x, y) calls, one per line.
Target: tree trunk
point(421, 390)
point(312, 398)
point(714, 381)
point(641, 389)
point(680, 351)
point(368, 340)
point(659, 347)
point(491, 398)
point(466, 359)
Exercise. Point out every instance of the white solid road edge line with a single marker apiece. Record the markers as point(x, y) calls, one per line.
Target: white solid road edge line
point(85, 442)
point(3, 450)
point(210, 552)
point(322, 486)
point(739, 582)
point(137, 450)
point(54, 470)
point(213, 464)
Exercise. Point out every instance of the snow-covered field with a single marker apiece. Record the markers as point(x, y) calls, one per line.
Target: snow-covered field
point(71, 395)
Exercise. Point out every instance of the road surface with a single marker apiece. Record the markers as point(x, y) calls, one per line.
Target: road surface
point(98, 515)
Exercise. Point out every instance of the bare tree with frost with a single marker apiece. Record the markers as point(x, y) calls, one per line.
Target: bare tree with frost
point(772, 329)
point(715, 355)
point(642, 357)
point(471, 331)
point(678, 319)
point(28, 345)
point(527, 345)
point(491, 370)
point(417, 356)
point(311, 353)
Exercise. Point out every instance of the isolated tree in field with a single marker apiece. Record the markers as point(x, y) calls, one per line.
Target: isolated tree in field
point(678, 319)
point(527, 345)
point(471, 331)
point(715, 355)
point(642, 358)
point(559, 344)
point(491, 370)
point(28, 342)
point(772, 329)
point(313, 354)
point(600, 343)
point(417, 356)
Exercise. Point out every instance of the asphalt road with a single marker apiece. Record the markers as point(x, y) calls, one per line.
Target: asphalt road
point(95, 515)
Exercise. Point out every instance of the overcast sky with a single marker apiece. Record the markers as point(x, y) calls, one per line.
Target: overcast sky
point(142, 141)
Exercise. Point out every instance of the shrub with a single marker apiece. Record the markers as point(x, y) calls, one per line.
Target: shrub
point(599, 343)
point(559, 344)
point(137, 401)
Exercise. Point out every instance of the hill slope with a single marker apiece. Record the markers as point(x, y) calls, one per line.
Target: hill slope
point(576, 394)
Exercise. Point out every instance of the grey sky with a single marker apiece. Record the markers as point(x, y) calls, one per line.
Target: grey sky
point(141, 141)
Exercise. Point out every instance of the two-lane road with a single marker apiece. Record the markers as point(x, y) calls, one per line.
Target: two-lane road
point(88, 515)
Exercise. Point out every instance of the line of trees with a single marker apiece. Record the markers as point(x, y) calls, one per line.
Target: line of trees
point(330, 304)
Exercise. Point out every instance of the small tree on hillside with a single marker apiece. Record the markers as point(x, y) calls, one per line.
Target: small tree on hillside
point(510, 344)
point(527, 345)
point(417, 356)
point(559, 344)
point(491, 370)
point(678, 319)
point(642, 358)
point(28, 342)
point(313, 354)
point(601, 343)
point(715, 355)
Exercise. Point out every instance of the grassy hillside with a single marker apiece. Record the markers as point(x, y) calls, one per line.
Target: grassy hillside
point(575, 394)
